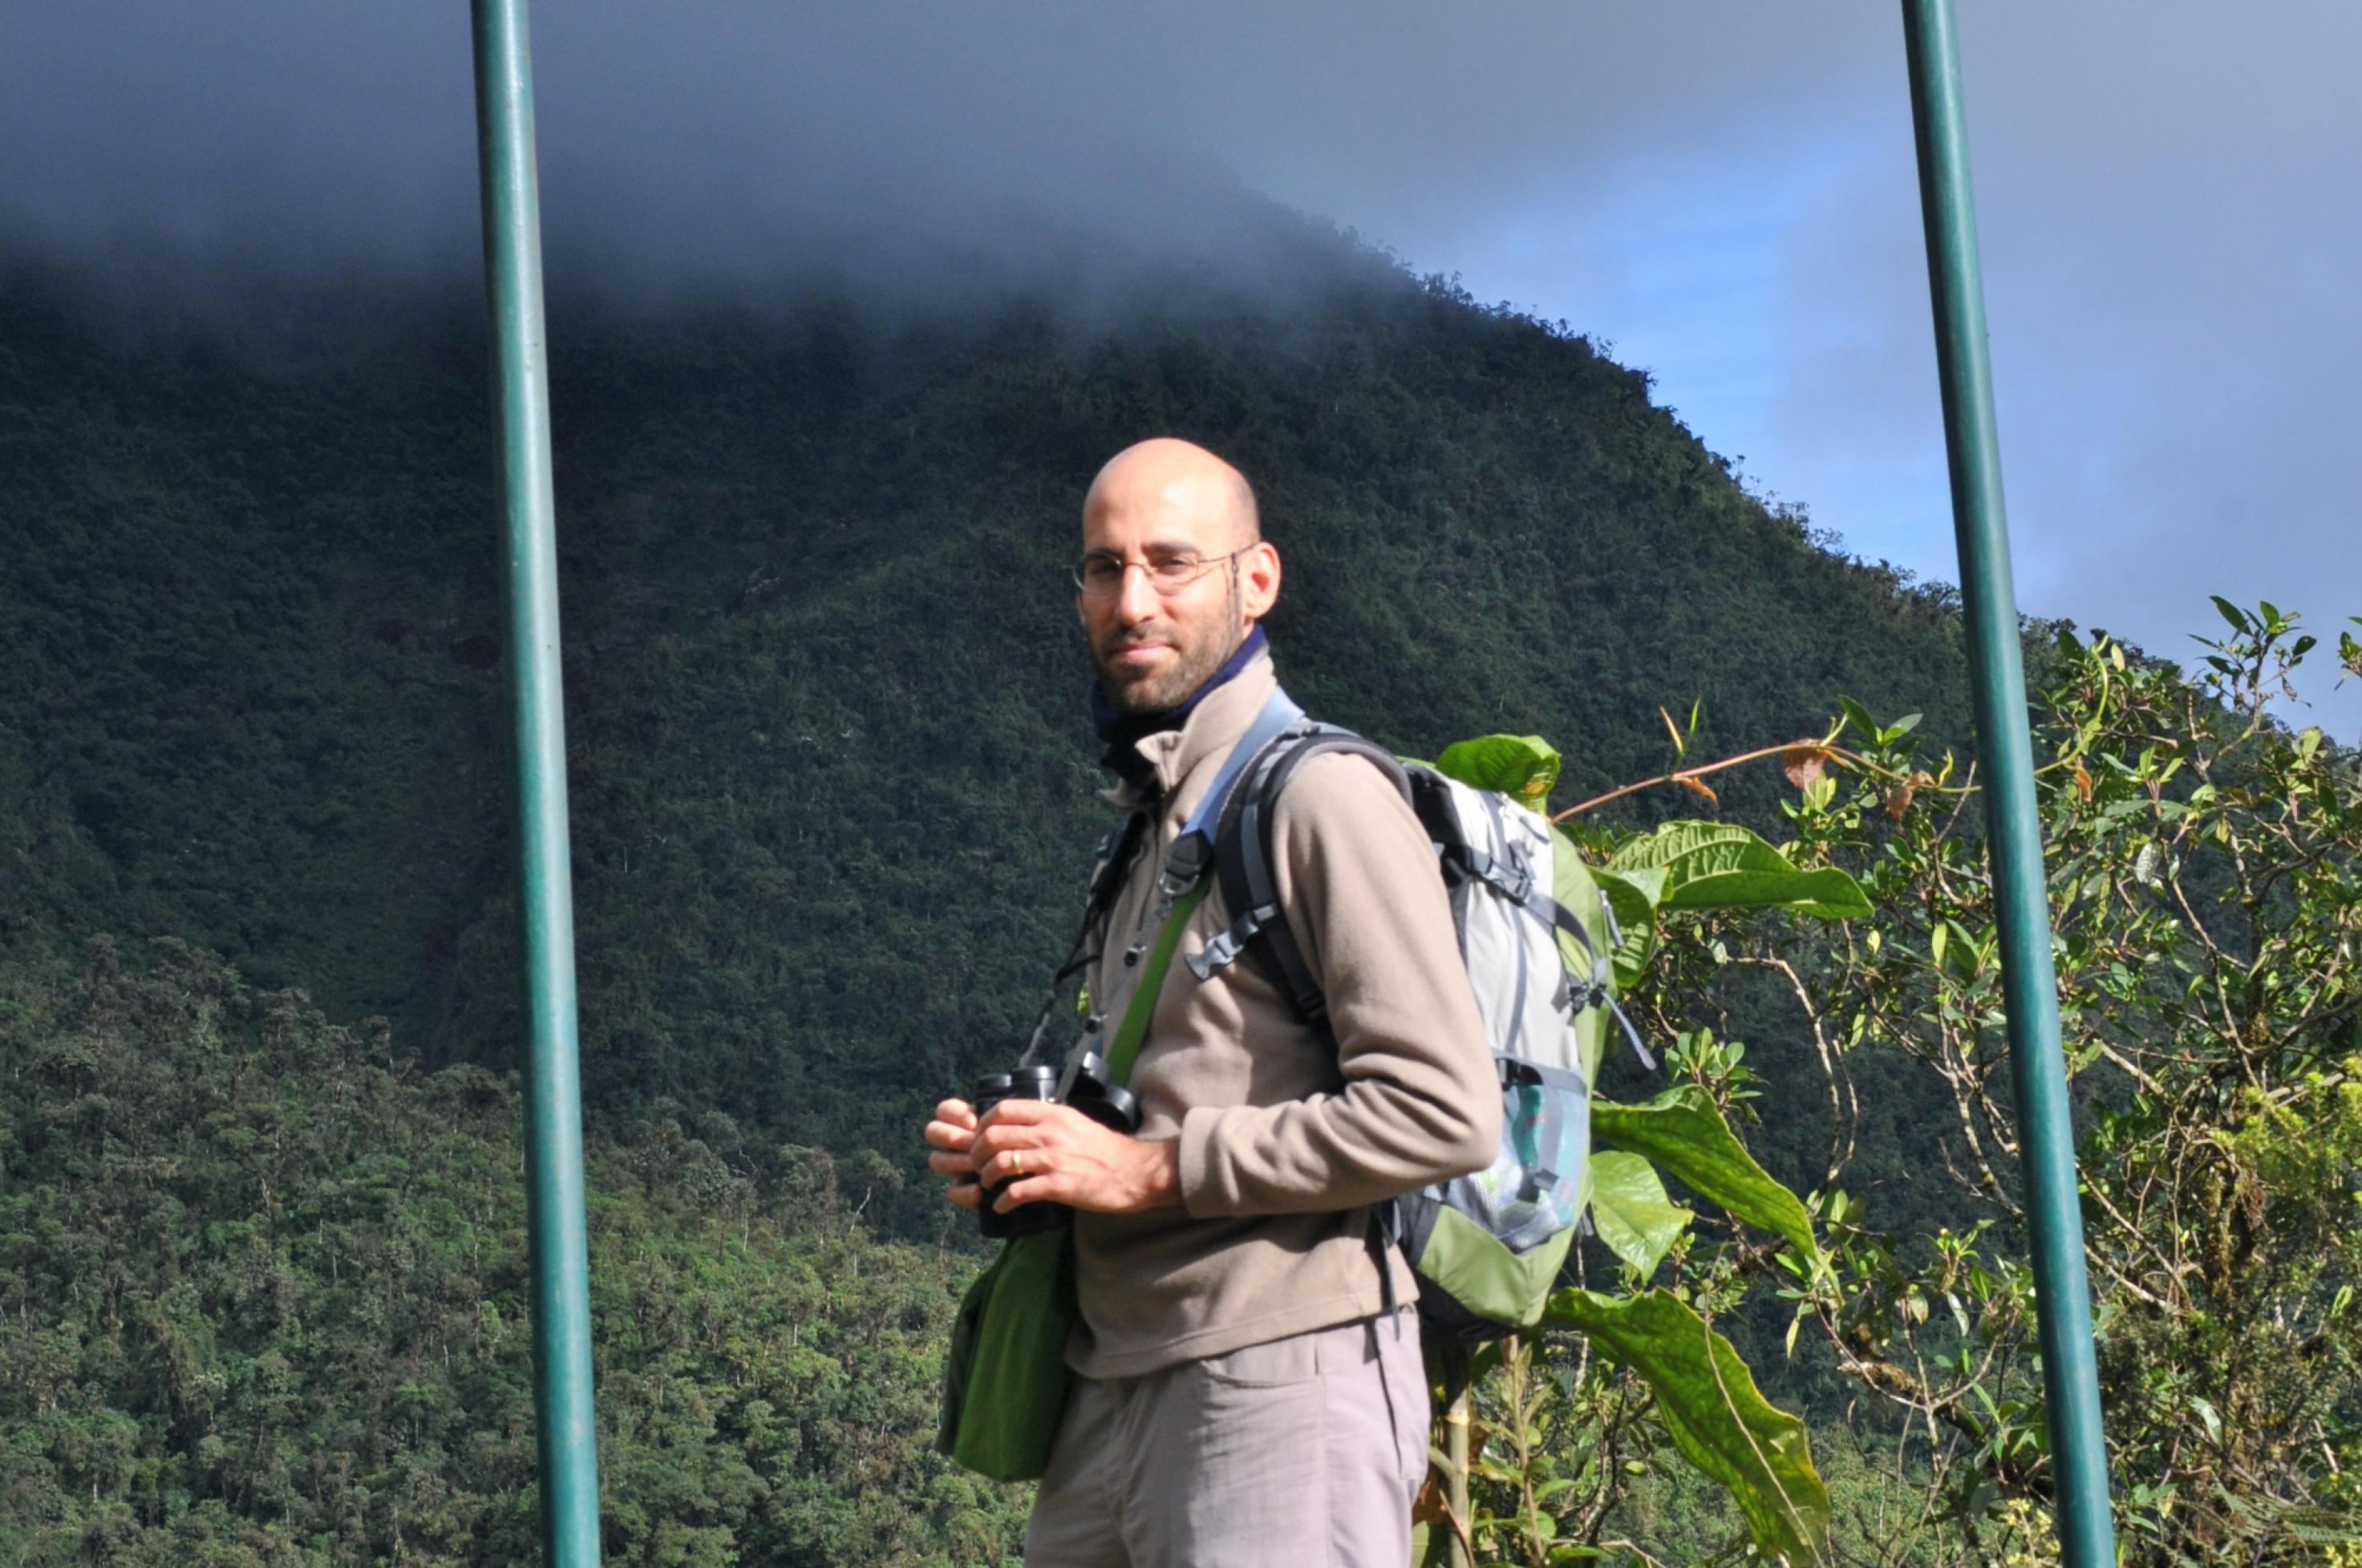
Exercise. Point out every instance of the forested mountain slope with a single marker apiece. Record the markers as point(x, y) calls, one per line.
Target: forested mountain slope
point(263, 1300)
point(831, 775)
point(261, 1278)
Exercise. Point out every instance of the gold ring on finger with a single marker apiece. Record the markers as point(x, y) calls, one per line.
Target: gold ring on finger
point(1016, 1162)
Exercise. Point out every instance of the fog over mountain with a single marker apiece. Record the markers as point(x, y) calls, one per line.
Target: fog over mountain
point(725, 151)
point(1724, 191)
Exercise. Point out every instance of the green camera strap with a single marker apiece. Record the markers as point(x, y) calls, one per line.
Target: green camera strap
point(1134, 1028)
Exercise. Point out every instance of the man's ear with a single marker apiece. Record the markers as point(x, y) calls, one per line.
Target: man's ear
point(1259, 575)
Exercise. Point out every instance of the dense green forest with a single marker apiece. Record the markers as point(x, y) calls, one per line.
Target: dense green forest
point(265, 1303)
point(260, 1277)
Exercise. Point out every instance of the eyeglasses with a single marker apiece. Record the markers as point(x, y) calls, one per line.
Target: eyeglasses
point(1099, 575)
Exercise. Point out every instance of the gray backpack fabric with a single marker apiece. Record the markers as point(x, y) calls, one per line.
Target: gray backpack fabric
point(1535, 936)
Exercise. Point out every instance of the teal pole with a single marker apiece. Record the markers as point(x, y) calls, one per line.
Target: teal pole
point(2079, 1454)
point(561, 1272)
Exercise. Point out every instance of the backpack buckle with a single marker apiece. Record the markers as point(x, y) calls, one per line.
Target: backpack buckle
point(1184, 863)
point(1224, 949)
point(1510, 875)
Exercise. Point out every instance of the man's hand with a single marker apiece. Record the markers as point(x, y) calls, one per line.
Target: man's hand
point(951, 1134)
point(1051, 1152)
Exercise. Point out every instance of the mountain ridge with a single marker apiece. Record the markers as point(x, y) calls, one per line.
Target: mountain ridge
point(831, 779)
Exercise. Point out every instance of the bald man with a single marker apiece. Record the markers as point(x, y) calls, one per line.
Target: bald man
point(1247, 1392)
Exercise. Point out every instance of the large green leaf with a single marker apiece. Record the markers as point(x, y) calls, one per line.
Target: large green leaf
point(1687, 849)
point(1631, 1210)
point(1684, 1135)
point(1710, 1406)
point(1633, 896)
point(1825, 894)
point(1721, 866)
point(1523, 768)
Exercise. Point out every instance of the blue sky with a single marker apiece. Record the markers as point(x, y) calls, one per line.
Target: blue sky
point(2170, 198)
point(2170, 191)
point(1679, 264)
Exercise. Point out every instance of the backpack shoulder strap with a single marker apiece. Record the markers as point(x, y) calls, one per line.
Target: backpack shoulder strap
point(1184, 862)
point(1246, 863)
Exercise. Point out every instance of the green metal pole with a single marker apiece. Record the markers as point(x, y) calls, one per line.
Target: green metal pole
point(561, 1276)
point(2030, 986)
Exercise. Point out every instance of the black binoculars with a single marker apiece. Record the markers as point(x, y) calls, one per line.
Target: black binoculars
point(1089, 1091)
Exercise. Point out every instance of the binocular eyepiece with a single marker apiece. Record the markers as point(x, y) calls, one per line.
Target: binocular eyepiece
point(1088, 1091)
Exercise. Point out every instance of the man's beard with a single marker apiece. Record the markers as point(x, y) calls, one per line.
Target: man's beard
point(1193, 668)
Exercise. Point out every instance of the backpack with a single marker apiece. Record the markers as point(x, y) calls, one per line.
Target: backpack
point(1536, 934)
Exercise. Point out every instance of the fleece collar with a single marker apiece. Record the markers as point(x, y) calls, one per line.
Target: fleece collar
point(1181, 763)
point(1123, 732)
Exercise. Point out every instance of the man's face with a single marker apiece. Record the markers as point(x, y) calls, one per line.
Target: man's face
point(1153, 648)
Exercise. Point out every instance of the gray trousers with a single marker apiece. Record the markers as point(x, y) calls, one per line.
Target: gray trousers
point(1304, 1453)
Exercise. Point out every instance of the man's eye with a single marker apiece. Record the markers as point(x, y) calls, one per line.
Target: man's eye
point(1173, 569)
point(1100, 569)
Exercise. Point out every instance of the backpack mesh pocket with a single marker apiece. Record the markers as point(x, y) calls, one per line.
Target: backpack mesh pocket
point(1533, 1188)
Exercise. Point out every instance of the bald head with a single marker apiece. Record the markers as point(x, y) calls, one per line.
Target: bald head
point(1188, 519)
point(1181, 486)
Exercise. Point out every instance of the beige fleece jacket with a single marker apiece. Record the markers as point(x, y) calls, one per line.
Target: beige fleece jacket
point(1286, 1139)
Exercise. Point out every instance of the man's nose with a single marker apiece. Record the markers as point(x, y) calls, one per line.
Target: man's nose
point(1136, 598)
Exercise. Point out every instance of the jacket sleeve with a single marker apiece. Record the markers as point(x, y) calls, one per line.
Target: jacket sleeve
point(1420, 1102)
